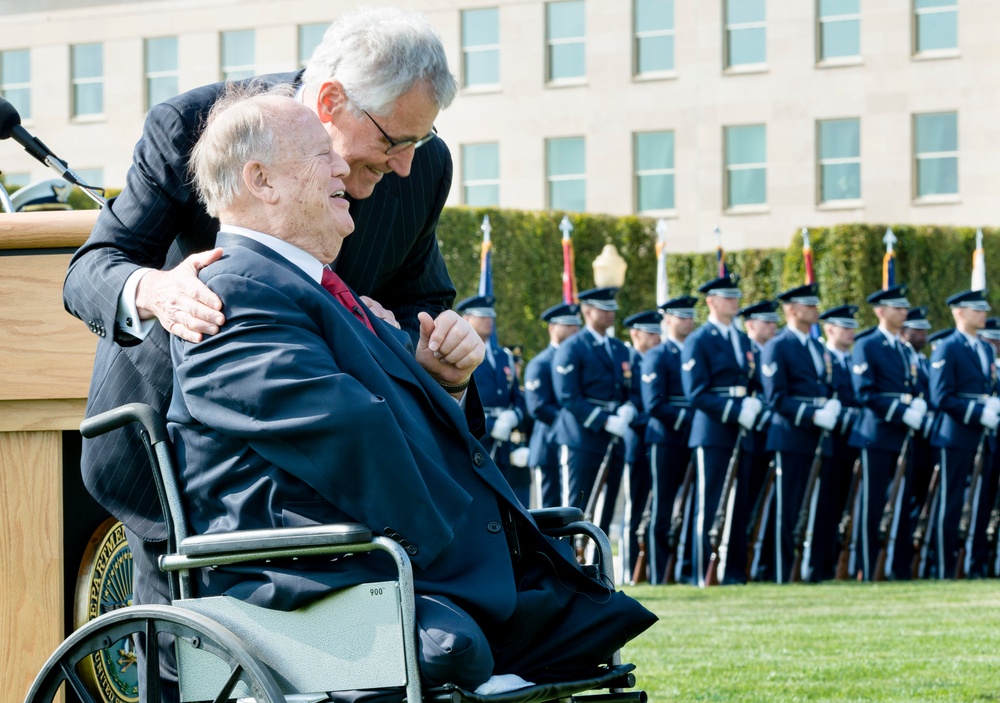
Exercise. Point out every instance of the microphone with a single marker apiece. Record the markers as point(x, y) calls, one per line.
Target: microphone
point(10, 126)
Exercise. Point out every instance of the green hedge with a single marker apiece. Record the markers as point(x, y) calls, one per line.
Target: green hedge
point(527, 264)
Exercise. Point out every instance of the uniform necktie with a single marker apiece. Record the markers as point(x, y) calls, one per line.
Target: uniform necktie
point(731, 338)
point(817, 360)
point(339, 290)
point(983, 359)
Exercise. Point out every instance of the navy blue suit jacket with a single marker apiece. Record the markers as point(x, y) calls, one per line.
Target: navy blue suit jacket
point(663, 396)
point(790, 376)
point(540, 399)
point(295, 414)
point(157, 221)
point(956, 374)
point(881, 375)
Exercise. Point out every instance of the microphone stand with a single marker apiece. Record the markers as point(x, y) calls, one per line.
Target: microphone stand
point(5, 202)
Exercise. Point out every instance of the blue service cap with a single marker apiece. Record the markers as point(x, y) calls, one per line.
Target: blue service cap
point(682, 306)
point(765, 311)
point(477, 306)
point(841, 316)
point(894, 297)
point(916, 319)
point(992, 329)
point(972, 299)
point(802, 295)
point(646, 321)
point(724, 287)
point(600, 298)
point(946, 332)
point(563, 314)
point(864, 333)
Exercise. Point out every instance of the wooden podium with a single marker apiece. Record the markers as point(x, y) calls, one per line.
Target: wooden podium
point(46, 359)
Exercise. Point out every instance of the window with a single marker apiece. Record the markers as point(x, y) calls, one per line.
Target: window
point(936, 25)
point(746, 33)
point(481, 47)
point(746, 165)
point(88, 79)
point(91, 176)
point(15, 80)
point(839, 29)
point(935, 151)
point(839, 160)
point(481, 174)
point(654, 36)
point(310, 35)
point(565, 167)
point(237, 55)
point(564, 32)
point(161, 70)
point(16, 180)
point(654, 171)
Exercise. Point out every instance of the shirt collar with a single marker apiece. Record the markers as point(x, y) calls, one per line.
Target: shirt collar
point(305, 261)
point(719, 326)
point(599, 337)
point(893, 339)
point(803, 337)
point(972, 340)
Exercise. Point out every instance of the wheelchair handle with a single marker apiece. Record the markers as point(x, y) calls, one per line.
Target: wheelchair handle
point(124, 415)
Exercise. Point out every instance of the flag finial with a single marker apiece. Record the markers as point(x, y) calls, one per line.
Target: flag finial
point(486, 227)
point(805, 237)
point(889, 239)
point(566, 227)
point(979, 238)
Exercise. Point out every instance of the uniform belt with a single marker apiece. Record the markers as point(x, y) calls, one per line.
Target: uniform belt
point(731, 391)
point(812, 401)
point(493, 412)
point(608, 405)
point(981, 397)
point(680, 401)
point(905, 397)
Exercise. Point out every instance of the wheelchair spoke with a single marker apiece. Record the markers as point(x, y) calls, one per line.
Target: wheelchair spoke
point(234, 677)
point(71, 676)
point(152, 684)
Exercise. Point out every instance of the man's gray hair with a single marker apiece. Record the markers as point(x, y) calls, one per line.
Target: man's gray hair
point(236, 131)
point(378, 54)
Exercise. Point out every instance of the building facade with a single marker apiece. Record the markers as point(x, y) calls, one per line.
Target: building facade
point(759, 116)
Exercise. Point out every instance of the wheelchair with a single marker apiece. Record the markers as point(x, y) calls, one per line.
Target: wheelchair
point(358, 638)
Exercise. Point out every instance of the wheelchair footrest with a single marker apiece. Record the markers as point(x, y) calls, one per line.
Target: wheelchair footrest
point(619, 676)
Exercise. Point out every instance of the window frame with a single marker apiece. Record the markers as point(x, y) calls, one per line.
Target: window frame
point(836, 60)
point(250, 68)
point(728, 28)
point(948, 52)
point(729, 168)
point(565, 41)
point(564, 178)
point(478, 48)
point(916, 158)
point(836, 161)
point(640, 34)
point(467, 183)
point(638, 174)
point(298, 40)
point(75, 113)
point(152, 75)
point(24, 111)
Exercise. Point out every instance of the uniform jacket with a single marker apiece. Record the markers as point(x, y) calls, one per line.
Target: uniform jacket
point(794, 390)
point(843, 387)
point(540, 400)
point(635, 438)
point(590, 386)
point(499, 390)
point(885, 379)
point(958, 388)
point(709, 362)
point(757, 439)
point(296, 414)
point(663, 396)
point(157, 221)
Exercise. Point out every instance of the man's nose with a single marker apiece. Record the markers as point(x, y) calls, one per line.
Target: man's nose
point(400, 163)
point(339, 167)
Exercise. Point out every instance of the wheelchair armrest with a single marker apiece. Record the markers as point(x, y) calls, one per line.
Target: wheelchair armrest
point(549, 519)
point(276, 538)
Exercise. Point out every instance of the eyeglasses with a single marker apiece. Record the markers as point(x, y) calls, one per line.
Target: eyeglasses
point(396, 147)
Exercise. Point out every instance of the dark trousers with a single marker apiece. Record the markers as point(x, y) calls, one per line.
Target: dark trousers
point(956, 474)
point(878, 468)
point(636, 486)
point(668, 463)
point(579, 473)
point(713, 463)
point(791, 474)
point(547, 478)
point(835, 485)
point(760, 546)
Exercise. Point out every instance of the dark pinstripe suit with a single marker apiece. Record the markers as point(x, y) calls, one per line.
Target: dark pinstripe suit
point(157, 221)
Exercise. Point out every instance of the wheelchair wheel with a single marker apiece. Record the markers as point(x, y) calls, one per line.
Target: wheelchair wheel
point(152, 620)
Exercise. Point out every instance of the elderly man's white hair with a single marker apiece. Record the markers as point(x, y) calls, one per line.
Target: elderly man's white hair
point(380, 53)
point(237, 131)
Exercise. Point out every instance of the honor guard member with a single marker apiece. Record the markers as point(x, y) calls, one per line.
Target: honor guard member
point(667, 433)
point(645, 333)
point(500, 392)
point(915, 331)
point(797, 377)
point(760, 321)
point(885, 384)
point(990, 333)
point(839, 327)
point(963, 382)
point(594, 385)
point(540, 398)
point(717, 366)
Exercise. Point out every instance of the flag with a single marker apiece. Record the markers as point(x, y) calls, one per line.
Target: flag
point(889, 260)
point(979, 263)
point(568, 277)
point(662, 285)
point(485, 260)
point(807, 259)
point(720, 256)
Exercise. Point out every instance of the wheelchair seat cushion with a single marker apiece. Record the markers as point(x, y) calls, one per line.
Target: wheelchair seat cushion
point(611, 677)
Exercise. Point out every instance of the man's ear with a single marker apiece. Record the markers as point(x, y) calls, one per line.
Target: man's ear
point(256, 179)
point(331, 101)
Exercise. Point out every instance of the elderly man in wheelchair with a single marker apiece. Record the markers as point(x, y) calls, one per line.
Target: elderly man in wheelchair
point(307, 411)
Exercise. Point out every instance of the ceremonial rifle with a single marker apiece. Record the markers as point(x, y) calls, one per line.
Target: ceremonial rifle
point(991, 537)
point(677, 536)
point(639, 573)
point(890, 513)
point(845, 530)
point(965, 522)
point(718, 536)
point(921, 531)
point(595, 497)
point(758, 523)
point(802, 536)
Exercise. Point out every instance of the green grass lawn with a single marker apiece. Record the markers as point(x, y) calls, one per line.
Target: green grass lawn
point(925, 641)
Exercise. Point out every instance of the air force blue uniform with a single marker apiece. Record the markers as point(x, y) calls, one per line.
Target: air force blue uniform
point(540, 399)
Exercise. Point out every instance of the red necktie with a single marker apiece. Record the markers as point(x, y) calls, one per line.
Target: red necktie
point(339, 290)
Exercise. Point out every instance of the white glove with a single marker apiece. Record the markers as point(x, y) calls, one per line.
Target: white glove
point(990, 418)
point(920, 405)
point(749, 410)
point(913, 418)
point(993, 403)
point(626, 412)
point(519, 457)
point(826, 419)
point(616, 425)
point(833, 407)
point(505, 423)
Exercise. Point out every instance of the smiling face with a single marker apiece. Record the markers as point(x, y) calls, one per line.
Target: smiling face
point(357, 138)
